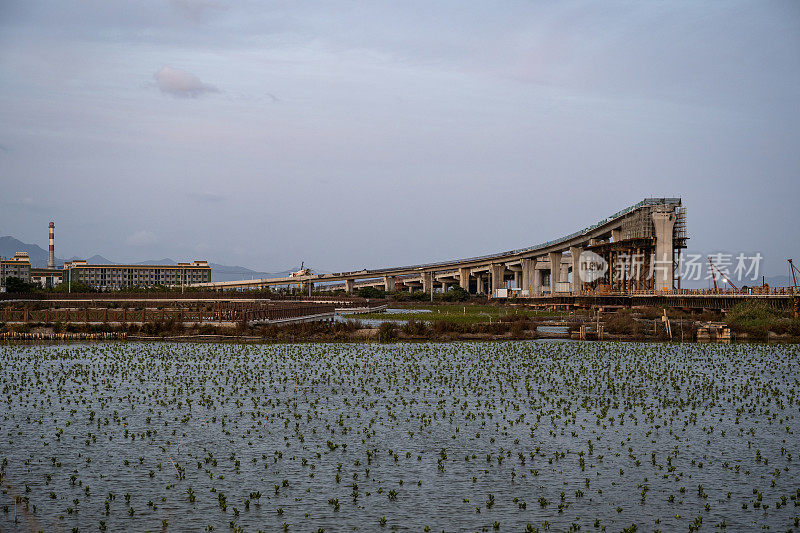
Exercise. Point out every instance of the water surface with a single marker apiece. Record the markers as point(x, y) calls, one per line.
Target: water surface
point(457, 437)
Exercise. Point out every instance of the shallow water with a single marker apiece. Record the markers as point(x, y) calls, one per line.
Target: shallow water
point(552, 329)
point(392, 315)
point(444, 426)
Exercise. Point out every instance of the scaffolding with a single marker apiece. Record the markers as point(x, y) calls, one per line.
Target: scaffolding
point(679, 230)
point(640, 225)
point(630, 257)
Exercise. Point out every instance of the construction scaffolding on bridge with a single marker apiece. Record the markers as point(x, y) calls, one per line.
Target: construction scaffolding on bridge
point(629, 254)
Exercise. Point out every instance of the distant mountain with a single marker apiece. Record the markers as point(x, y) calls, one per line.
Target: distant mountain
point(97, 260)
point(9, 246)
point(236, 273)
point(165, 261)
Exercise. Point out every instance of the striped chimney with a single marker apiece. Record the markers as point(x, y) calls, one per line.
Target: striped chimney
point(51, 257)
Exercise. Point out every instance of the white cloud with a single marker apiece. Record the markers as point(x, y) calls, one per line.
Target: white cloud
point(141, 238)
point(180, 83)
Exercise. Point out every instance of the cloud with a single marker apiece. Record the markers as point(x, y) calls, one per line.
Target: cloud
point(141, 238)
point(205, 196)
point(180, 83)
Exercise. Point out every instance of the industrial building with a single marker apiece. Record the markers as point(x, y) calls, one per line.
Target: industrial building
point(47, 277)
point(18, 266)
point(113, 277)
point(101, 277)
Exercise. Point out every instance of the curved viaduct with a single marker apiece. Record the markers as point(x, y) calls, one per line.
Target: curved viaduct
point(653, 229)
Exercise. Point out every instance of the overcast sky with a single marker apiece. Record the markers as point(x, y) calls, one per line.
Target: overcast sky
point(367, 134)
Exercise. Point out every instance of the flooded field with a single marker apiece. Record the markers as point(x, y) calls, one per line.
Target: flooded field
point(516, 436)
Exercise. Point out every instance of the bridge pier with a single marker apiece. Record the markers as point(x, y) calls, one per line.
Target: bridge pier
point(537, 279)
point(497, 273)
point(463, 278)
point(427, 281)
point(555, 271)
point(577, 282)
point(663, 269)
point(527, 275)
point(479, 284)
point(389, 283)
point(349, 284)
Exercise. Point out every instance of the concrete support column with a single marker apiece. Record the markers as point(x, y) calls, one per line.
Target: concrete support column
point(555, 270)
point(444, 286)
point(427, 279)
point(663, 270)
point(497, 273)
point(389, 283)
point(348, 285)
point(527, 275)
point(577, 283)
point(463, 278)
point(537, 279)
point(517, 279)
point(480, 288)
point(616, 235)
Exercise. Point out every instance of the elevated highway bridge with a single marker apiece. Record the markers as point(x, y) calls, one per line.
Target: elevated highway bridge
point(653, 228)
point(586, 268)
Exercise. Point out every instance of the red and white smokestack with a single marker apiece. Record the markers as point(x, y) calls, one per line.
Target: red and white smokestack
point(51, 258)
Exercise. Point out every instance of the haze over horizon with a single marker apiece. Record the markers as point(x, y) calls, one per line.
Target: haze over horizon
point(348, 135)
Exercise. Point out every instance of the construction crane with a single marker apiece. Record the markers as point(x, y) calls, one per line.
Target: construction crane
point(793, 269)
point(714, 277)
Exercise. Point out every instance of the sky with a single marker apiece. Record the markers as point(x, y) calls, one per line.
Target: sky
point(369, 134)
